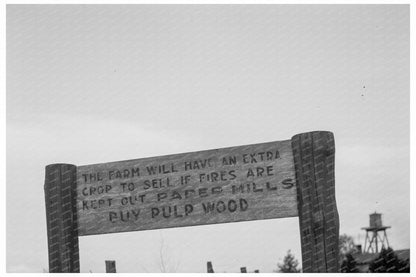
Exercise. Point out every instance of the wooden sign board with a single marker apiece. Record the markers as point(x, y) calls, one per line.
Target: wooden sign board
point(233, 184)
point(269, 180)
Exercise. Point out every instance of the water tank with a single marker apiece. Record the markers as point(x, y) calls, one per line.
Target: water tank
point(375, 220)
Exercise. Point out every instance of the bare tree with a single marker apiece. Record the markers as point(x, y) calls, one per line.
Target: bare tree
point(346, 246)
point(166, 263)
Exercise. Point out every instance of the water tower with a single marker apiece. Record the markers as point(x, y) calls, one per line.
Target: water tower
point(376, 237)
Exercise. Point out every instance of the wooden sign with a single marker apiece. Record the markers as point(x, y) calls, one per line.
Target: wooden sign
point(233, 184)
point(269, 180)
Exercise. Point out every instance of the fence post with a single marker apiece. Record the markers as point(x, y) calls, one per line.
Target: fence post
point(110, 266)
point(210, 269)
point(61, 218)
point(314, 158)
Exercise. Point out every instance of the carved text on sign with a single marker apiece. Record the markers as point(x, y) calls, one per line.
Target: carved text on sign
point(214, 186)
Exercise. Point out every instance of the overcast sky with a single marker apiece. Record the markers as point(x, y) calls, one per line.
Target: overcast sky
point(93, 84)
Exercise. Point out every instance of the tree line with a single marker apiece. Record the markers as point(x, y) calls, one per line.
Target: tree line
point(387, 260)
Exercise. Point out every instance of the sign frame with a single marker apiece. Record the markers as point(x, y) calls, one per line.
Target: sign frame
point(314, 162)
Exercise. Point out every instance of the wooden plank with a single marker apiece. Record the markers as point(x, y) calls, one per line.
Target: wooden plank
point(110, 266)
point(314, 156)
point(232, 184)
point(210, 269)
point(61, 218)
